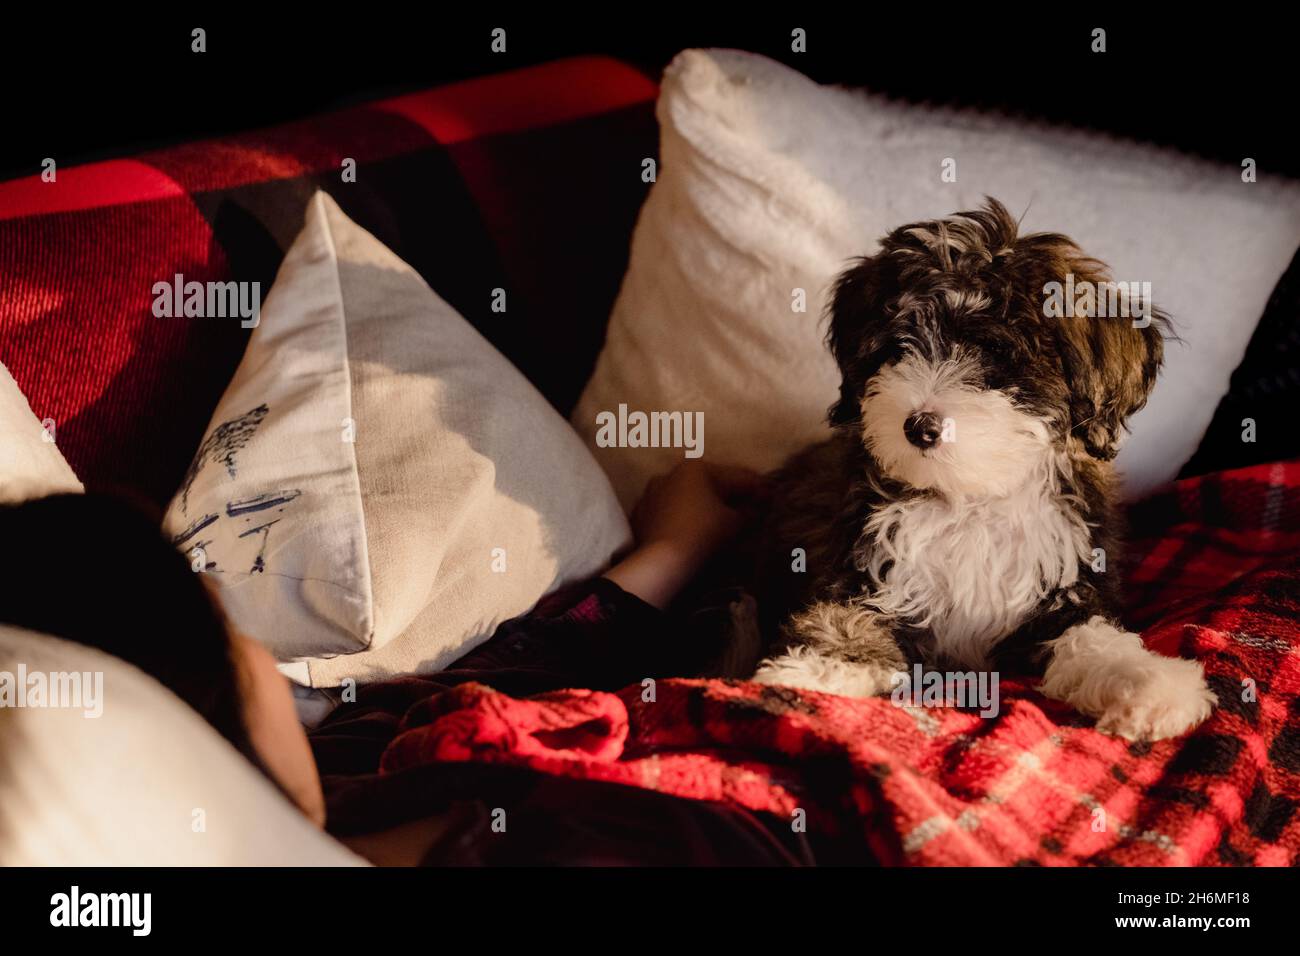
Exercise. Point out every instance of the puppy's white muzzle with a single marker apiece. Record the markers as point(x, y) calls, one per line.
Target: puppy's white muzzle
point(932, 425)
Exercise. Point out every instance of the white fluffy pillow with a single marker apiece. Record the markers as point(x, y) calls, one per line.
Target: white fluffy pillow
point(380, 488)
point(146, 782)
point(770, 183)
point(31, 465)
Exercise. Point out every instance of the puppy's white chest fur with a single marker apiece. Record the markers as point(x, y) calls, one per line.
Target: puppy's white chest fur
point(970, 572)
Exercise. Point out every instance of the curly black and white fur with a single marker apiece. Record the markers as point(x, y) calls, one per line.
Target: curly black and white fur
point(962, 511)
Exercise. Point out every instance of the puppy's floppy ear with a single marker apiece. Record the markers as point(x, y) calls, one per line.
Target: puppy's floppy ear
point(1111, 367)
point(856, 316)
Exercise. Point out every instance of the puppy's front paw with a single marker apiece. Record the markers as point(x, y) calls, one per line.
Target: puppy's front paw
point(1167, 699)
point(800, 667)
point(1107, 673)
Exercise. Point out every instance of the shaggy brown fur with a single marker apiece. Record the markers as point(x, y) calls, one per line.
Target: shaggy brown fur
point(967, 284)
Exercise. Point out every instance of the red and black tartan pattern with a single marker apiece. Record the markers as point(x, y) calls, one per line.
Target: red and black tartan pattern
point(515, 181)
point(1035, 785)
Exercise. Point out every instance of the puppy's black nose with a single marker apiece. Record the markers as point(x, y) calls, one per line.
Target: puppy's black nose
point(923, 429)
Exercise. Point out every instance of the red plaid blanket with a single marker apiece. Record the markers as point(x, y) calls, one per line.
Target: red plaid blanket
point(1214, 573)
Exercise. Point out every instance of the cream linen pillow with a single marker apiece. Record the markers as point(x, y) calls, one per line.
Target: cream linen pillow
point(124, 774)
point(770, 183)
point(380, 488)
point(31, 465)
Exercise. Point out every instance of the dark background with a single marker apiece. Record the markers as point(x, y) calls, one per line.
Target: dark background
point(82, 87)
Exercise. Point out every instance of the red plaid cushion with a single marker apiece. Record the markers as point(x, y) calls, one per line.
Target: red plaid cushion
point(527, 181)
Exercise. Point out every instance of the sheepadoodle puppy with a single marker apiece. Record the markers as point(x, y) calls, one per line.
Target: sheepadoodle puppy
point(963, 512)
